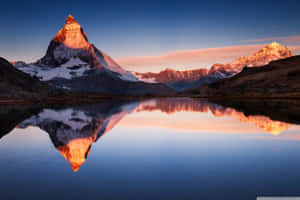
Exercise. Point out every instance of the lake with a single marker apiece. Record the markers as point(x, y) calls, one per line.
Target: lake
point(166, 148)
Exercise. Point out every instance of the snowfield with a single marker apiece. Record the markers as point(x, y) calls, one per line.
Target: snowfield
point(71, 69)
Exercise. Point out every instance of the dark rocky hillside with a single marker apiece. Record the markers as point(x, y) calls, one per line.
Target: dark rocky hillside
point(279, 79)
point(15, 84)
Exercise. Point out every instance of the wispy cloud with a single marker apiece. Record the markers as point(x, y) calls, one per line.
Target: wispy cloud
point(295, 39)
point(191, 59)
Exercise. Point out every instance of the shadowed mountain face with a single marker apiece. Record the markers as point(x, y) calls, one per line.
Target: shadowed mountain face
point(74, 129)
point(277, 79)
point(16, 84)
point(181, 80)
point(72, 63)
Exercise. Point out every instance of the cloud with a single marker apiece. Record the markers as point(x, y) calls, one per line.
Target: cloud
point(295, 39)
point(190, 59)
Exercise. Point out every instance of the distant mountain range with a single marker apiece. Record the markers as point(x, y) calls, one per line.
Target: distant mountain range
point(278, 79)
point(72, 63)
point(182, 80)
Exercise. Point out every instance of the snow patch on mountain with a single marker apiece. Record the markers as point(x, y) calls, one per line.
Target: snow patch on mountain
point(66, 71)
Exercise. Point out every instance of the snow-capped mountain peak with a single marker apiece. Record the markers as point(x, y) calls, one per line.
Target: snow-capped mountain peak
point(70, 55)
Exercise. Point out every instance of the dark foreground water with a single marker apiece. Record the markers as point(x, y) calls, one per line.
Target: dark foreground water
point(154, 149)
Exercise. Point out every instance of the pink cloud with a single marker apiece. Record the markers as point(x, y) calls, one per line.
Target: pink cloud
point(190, 59)
point(287, 39)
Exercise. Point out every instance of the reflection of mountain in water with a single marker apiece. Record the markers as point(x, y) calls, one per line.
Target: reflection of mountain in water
point(74, 130)
point(173, 105)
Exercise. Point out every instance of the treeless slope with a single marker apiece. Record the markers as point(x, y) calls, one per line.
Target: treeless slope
point(15, 84)
point(279, 79)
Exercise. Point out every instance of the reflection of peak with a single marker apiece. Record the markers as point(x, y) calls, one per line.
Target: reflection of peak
point(73, 131)
point(263, 122)
point(76, 151)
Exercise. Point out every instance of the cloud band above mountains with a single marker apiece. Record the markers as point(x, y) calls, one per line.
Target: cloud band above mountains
point(295, 39)
point(191, 59)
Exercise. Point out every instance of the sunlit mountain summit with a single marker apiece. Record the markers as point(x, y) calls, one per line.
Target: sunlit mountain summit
point(71, 62)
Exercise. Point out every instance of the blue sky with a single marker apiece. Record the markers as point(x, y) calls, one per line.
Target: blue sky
point(145, 28)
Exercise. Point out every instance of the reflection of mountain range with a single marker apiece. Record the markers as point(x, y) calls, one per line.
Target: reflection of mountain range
point(74, 129)
point(173, 105)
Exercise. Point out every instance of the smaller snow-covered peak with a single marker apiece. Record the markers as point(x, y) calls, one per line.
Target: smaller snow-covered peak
point(274, 45)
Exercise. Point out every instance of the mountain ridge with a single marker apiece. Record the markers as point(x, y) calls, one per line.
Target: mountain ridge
point(278, 79)
point(185, 79)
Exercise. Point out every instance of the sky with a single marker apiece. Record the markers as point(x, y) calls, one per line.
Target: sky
point(132, 30)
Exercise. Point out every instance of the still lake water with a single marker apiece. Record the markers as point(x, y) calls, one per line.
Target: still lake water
point(177, 148)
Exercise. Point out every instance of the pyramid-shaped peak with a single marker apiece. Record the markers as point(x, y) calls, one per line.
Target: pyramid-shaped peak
point(70, 19)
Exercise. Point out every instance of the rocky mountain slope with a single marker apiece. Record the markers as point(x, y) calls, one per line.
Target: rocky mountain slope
point(71, 62)
point(279, 79)
point(181, 80)
point(15, 84)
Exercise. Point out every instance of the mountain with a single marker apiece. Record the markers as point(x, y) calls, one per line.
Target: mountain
point(15, 84)
point(178, 80)
point(71, 62)
point(278, 79)
point(264, 56)
point(182, 80)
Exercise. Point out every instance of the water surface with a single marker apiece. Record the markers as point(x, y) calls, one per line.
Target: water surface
point(177, 148)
